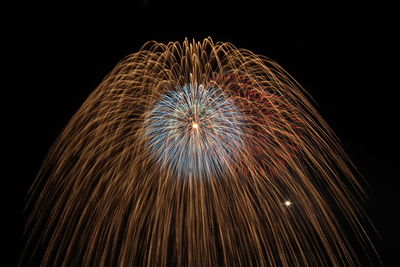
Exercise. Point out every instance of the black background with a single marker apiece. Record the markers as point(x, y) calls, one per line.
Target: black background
point(345, 56)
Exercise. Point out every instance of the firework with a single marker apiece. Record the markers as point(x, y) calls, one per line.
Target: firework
point(196, 154)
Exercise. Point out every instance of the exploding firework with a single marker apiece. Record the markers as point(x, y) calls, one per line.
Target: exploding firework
point(196, 154)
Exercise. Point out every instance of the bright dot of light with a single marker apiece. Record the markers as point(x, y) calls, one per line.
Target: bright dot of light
point(287, 203)
point(195, 125)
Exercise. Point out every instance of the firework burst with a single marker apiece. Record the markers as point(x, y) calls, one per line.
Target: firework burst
point(196, 154)
point(195, 132)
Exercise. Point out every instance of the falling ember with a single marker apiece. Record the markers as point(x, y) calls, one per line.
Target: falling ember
point(183, 156)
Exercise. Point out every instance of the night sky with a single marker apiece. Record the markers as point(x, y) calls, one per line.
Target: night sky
point(345, 56)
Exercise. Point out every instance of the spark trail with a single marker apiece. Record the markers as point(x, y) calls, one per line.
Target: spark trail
point(196, 154)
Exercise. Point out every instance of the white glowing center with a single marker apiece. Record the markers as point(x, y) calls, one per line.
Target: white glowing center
point(287, 203)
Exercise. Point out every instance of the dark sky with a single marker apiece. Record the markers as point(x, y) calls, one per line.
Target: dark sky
point(345, 55)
